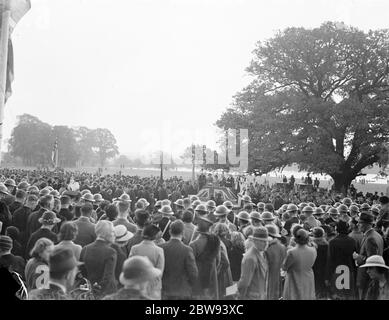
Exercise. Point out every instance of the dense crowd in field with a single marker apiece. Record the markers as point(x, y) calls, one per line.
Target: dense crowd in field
point(77, 235)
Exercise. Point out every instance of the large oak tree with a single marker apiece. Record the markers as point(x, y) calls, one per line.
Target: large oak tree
point(318, 98)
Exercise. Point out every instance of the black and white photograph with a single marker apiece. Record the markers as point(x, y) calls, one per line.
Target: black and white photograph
point(187, 151)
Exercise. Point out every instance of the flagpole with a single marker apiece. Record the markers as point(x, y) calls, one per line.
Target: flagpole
point(56, 157)
point(4, 36)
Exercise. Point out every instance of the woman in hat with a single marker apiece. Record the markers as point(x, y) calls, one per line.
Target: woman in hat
point(122, 235)
point(378, 288)
point(136, 276)
point(37, 268)
point(149, 249)
point(299, 280)
point(223, 270)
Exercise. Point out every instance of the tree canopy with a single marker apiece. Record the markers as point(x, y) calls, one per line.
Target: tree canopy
point(33, 140)
point(319, 98)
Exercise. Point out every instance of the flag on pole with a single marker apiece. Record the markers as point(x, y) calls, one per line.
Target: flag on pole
point(18, 9)
point(54, 154)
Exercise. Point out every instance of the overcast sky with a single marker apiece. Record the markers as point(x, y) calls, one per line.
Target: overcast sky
point(143, 67)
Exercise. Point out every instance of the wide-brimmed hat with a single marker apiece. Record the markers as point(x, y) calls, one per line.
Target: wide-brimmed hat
point(138, 269)
point(62, 260)
point(260, 233)
point(4, 189)
point(179, 203)
point(246, 198)
point(255, 215)
point(124, 197)
point(273, 231)
point(221, 211)
point(10, 183)
point(49, 218)
point(98, 197)
point(243, 215)
point(88, 197)
point(122, 234)
point(201, 208)
point(166, 210)
point(267, 216)
point(144, 201)
point(228, 204)
point(211, 204)
point(375, 261)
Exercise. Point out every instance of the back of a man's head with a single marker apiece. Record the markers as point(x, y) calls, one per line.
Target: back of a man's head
point(65, 200)
point(187, 216)
point(45, 201)
point(123, 207)
point(20, 194)
point(176, 228)
point(141, 217)
point(86, 210)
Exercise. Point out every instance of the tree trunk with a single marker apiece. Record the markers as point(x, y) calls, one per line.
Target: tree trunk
point(342, 182)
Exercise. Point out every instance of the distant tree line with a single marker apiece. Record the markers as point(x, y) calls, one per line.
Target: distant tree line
point(32, 142)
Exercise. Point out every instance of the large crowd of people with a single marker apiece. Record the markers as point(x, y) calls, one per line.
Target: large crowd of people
point(77, 235)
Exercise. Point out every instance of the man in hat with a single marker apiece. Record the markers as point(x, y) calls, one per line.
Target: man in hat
point(142, 218)
point(384, 211)
point(166, 219)
point(275, 255)
point(377, 270)
point(123, 216)
point(221, 215)
point(86, 229)
point(180, 273)
point(7, 259)
point(100, 258)
point(372, 244)
point(48, 221)
point(20, 218)
point(179, 208)
point(252, 284)
point(64, 213)
point(63, 268)
point(206, 249)
point(149, 248)
point(137, 274)
point(46, 203)
point(20, 197)
point(243, 220)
